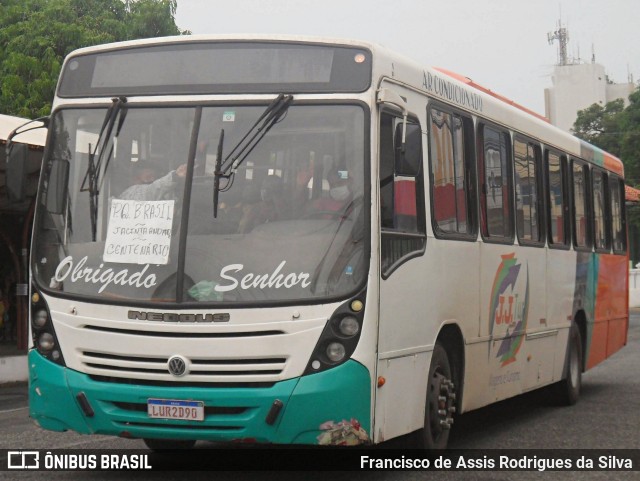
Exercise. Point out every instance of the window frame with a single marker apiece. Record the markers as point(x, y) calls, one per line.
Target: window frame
point(470, 179)
point(482, 193)
point(540, 199)
point(386, 272)
point(604, 175)
point(613, 178)
point(588, 247)
point(566, 200)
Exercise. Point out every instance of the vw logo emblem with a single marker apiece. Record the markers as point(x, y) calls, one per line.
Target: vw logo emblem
point(177, 366)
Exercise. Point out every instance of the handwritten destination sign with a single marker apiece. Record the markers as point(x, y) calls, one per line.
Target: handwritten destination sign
point(139, 232)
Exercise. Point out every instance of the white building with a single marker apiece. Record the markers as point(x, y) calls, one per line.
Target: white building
point(577, 86)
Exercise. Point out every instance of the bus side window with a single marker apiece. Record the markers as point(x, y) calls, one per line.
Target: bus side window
point(450, 155)
point(529, 212)
point(601, 219)
point(495, 179)
point(618, 223)
point(581, 224)
point(557, 200)
point(401, 197)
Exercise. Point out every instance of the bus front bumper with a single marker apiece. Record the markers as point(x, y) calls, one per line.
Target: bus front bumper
point(62, 399)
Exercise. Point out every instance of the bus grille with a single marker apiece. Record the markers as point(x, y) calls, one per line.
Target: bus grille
point(184, 335)
point(156, 383)
point(108, 365)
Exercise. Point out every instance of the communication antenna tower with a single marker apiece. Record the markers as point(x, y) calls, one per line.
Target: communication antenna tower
point(561, 34)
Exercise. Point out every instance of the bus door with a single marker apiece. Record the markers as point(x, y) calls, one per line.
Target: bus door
point(402, 353)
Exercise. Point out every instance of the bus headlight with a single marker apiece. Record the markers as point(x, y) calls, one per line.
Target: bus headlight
point(42, 331)
point(40, 318)
point(349, 326)
point(336, 352)
point(46, 341)
point(339, 337)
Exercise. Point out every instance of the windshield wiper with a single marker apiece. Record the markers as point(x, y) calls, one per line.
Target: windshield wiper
point(92, 175)
point(216, 178)
point(227, 168)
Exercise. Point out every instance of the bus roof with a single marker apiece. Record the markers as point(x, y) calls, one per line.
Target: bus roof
point(223, 37)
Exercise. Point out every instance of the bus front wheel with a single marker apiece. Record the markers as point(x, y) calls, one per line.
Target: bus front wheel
point(440, 402)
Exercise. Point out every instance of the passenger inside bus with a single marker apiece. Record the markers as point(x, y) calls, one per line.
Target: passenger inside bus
point(264, 205)
point(148, 186)
point(339, 197)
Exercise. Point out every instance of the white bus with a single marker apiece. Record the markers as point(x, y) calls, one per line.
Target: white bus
point(309, 241)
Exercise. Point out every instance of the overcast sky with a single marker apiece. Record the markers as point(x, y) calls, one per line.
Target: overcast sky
point(500, 44)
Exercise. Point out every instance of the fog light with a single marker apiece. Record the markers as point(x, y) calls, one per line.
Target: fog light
point(46, 341)
point(40, 318)
point(335, 352)
point(349, 326)
point(356, 305)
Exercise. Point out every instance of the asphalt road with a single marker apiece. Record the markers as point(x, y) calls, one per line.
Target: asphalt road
point(606, 417)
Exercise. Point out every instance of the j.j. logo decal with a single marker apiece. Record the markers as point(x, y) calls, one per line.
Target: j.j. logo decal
point(508, 312)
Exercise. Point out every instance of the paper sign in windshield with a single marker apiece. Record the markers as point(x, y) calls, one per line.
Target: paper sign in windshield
point(139, 232)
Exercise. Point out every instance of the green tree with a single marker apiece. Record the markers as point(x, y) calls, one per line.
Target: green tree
point(597, 125)
point(630, 139)
point(615, 129)
point(36, 35)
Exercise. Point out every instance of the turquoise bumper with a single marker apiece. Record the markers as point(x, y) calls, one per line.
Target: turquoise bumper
point(342, 393)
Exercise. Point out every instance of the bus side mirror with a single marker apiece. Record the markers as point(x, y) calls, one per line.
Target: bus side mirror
point(57, 186)
point(408, 155)
point(16, 171)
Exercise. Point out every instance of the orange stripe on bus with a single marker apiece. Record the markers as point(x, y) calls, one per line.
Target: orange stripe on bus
point(613, 164)
point(611, 309)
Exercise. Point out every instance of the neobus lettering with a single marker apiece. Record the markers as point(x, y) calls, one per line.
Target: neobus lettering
point(256, 281)
point(175, 317)
point(97, 276)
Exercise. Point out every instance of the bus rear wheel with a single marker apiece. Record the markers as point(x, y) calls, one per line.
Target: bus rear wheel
point(168, 444)
point(440, 403)
point(567, 391)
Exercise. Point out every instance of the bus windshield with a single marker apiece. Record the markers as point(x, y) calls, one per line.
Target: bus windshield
point(125, 211)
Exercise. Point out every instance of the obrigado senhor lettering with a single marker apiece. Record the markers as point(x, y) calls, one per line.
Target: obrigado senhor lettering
point(78, 272)
point(450, 91)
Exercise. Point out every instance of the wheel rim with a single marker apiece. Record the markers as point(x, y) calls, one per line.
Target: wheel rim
point(441, 403)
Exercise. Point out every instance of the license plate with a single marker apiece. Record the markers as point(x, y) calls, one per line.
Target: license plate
point(175, 409)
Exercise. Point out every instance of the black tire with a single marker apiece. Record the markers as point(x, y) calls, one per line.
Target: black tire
point(567, 391)
point(438, 415)
point(168, 444)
